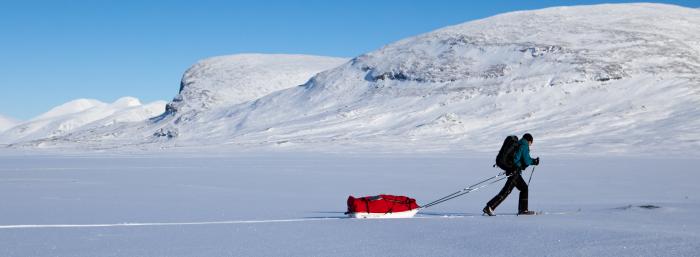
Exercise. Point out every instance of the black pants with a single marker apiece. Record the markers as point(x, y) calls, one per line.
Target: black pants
point(513, 181)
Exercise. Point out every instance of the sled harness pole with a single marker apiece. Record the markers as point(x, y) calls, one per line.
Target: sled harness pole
point(468, 189)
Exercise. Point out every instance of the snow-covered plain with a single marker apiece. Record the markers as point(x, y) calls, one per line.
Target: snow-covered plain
point(282, 204)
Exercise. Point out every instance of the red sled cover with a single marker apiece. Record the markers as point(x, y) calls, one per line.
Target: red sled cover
point(381, 204)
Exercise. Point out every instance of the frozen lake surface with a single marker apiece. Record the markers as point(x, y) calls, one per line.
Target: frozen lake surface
point(282, 204)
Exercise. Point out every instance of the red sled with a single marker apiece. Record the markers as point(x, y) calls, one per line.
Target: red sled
point(382, 206)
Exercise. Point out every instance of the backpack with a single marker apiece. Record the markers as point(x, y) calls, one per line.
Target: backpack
point(506, 156)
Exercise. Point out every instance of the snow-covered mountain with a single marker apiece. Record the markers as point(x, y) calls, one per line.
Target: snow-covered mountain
point(227, 80)
point(6, 123)
point(220, 82)
point(601, 78)
point(81, 114)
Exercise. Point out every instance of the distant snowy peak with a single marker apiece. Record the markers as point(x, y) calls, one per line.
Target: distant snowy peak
point(7, 122)
point(82, 105)
point(126, 102)
point(232, 79)
point(81, 114)
point(71, 107)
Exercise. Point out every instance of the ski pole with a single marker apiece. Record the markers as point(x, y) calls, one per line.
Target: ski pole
point(531, 173)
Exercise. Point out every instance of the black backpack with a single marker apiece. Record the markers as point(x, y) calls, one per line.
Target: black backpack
point(506, 156)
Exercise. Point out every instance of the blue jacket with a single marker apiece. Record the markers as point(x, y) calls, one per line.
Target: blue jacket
point(522, 156)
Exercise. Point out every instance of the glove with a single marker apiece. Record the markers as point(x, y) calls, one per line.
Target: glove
point(536, 161)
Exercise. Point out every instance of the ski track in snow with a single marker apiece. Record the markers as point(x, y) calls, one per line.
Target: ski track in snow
point(226, 222)
point(163, 223)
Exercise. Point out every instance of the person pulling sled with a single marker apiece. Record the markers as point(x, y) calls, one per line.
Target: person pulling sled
point(513, 158)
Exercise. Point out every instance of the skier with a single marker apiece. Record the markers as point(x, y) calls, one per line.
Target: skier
point(522, 159)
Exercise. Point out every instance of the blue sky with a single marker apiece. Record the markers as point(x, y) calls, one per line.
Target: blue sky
point(56, 51)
